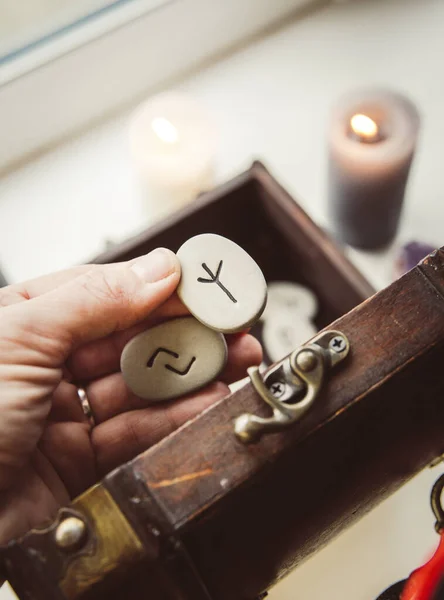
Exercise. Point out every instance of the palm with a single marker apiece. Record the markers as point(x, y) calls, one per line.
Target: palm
point(70, 456)
point(60, 467)
point(48, 451)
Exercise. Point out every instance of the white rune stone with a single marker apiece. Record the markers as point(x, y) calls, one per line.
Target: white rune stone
point(284, 334)
point(221, 285)
point(290, 297)
point(172, 359)
point(288, 318)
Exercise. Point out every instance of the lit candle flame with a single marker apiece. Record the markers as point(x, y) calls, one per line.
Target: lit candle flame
point(165, 130)
point(364, 127)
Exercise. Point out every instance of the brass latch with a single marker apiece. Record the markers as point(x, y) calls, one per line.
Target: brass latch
point(291, 386)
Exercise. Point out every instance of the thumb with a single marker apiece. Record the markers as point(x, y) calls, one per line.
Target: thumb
point(97, 303)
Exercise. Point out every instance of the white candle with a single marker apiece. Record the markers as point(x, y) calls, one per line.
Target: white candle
point(172, 143)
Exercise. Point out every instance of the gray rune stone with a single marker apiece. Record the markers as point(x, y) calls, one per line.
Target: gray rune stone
point(173, 359)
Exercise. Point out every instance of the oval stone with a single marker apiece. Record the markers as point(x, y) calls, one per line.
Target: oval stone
point(173, 359)
point(292, 298)
point(221, 285)
point(281, 335)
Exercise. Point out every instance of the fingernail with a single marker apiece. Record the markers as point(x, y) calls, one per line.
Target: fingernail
point(156, 265)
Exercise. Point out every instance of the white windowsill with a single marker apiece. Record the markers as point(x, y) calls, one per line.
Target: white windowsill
point(91, 71)
point(49, 35)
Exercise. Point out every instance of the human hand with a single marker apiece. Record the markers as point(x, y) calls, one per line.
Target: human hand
point(67, 330)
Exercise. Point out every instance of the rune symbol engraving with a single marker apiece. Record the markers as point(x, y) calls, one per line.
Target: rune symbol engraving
point(159, 350)
point(214, 278)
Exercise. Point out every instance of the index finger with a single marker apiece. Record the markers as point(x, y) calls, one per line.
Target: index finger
point(32, 288)
point(21, 292)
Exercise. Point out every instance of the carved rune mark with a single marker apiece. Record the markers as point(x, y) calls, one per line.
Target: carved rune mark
point(150, 362)
point(185, 371)
point(214, 278)
point(159, 351)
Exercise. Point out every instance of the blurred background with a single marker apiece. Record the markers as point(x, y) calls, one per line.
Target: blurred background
point(116, 113)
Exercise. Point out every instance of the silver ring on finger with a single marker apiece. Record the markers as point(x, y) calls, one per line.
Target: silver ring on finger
point(86, 406)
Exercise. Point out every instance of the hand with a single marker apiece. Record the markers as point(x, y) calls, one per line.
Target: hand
point(66, 330)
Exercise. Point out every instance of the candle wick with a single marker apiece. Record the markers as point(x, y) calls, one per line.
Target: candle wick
point(364, 129)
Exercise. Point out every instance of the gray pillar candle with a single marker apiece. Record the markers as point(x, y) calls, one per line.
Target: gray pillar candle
point(372, 139)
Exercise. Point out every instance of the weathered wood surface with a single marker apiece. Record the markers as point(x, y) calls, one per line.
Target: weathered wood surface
point(232, 519)
point(247, 514)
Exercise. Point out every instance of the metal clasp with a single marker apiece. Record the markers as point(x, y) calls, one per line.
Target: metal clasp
point(291, 386)
point(435, 501)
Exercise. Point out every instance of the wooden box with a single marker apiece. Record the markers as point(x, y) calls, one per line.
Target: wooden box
point(202, 515)
point(254, 211)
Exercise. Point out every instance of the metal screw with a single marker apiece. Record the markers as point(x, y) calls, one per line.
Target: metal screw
point(278, 389)
point(306, 360)
point(70, 534)
point(337, 344)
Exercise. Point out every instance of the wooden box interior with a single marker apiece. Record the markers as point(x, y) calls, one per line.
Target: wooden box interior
point(254, 211)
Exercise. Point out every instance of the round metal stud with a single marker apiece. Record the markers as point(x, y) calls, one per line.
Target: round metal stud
point(306, 361)
point(70, 534)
